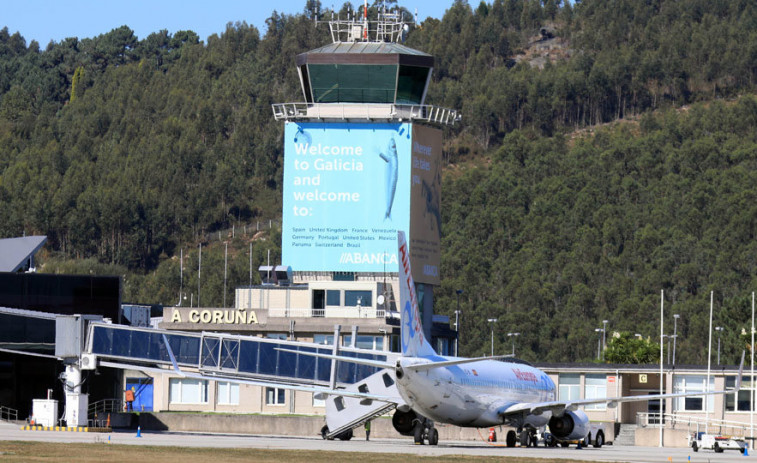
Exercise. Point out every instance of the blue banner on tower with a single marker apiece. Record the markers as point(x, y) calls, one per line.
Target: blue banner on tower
point(347, 190)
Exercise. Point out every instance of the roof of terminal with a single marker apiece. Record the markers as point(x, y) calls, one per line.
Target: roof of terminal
point(15, 252)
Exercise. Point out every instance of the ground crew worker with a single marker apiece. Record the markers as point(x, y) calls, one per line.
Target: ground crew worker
point(367, 430)
point(130, 399)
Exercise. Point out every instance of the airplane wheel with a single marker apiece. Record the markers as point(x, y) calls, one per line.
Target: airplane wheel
point(599, 440)
point(433, 436)
point(418, 434)
point(524, 439)
point(510, 438)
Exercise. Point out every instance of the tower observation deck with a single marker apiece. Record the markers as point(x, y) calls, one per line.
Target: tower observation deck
point(367, 75)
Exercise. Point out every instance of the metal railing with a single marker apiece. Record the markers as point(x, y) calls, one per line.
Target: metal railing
point(361, 111)
point(328, 312)
point(694, 423)
point(105, 406)
point(8, 414)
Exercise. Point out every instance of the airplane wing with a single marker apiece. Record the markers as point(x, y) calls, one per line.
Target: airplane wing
point(558, 407)
point(416, 366)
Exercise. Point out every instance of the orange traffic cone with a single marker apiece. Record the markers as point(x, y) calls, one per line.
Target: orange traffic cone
point(107, 424)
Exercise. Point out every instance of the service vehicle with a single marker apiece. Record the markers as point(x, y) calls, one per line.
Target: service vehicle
point(700, 440)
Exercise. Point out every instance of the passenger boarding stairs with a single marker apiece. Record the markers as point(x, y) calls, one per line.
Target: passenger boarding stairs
point(347, 413)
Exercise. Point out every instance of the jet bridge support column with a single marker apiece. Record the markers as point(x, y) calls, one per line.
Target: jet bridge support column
point(77, 404)
point(332, 378)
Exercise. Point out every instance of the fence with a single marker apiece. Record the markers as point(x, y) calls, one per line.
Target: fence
point(694, 424)
point(8, 414)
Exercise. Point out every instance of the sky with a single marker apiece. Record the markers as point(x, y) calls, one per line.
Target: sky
point(46, 20)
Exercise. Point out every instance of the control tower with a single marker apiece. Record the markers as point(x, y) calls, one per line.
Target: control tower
point(362, 159)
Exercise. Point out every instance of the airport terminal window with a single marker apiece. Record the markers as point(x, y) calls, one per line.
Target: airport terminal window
point(281, 336)
point(569, 386)
point(333, 297)
point(228, 393)
point(365, 342)
point(394, 343)
point(325, 339)
point(595, 387)
point(275, 396)
point(740, 404)
point(188, 391)
point(355, 298)
point(692, 383)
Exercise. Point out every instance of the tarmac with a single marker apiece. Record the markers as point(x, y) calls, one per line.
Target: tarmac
point(608, 453)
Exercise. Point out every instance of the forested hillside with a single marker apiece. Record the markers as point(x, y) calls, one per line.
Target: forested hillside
point(573, 192)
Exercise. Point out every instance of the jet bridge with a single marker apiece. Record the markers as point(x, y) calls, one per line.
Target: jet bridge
point(223, 355)
point(84, 343)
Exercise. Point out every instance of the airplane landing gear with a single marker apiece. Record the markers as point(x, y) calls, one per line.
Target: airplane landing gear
point(510, 438)
point(424, 430)
point(527, 437)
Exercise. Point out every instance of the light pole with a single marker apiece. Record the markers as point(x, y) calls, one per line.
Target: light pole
point(719, 329)
point(668, 336)
point(675, 335)
point(604, 337)
point(457, 318)
point(599, 341)
point(513, 335)
point(492, 321)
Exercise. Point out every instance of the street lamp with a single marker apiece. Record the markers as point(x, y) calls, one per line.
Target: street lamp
point(599, 340)
point(457, 318)
point(513, 335)
point(604, 333)
point(719, 329)
point(675, 335)
point(492, 321)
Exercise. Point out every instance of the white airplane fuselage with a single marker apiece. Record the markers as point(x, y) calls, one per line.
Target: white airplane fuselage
point(473, 394)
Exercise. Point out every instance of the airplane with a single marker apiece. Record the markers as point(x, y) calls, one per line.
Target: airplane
point(477, 392)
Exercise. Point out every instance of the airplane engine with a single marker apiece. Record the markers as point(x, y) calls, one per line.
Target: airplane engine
point(569, 426)
point(404, 422)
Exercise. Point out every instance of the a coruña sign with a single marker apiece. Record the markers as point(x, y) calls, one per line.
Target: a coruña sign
point(213, 316)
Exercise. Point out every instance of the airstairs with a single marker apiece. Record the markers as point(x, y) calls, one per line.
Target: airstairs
point(347, 413)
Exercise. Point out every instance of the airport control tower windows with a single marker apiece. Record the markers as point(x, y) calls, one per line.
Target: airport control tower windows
point(411, 84)
point(353, 83)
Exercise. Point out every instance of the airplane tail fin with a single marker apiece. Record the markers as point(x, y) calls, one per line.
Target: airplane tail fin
point(414, 343)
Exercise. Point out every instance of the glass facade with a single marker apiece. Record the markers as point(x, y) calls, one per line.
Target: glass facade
point(247, 357)
point(353, 83)
point(411, 83)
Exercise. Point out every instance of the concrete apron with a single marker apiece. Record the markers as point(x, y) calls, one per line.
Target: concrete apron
point(277, 425)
